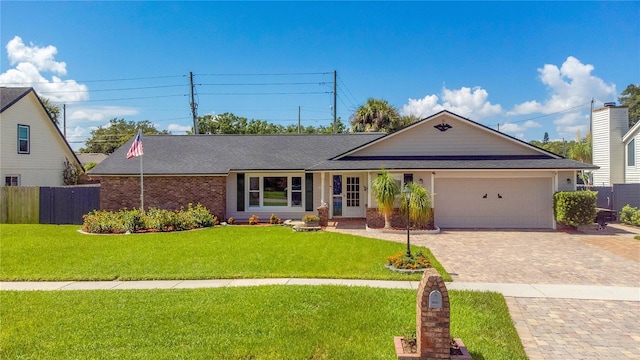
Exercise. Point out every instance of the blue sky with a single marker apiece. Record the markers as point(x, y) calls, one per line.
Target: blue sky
point(531, 67)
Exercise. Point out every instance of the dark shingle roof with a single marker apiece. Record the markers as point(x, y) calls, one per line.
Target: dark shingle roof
point(9, 96)
point(453, 164)
point(219, 154)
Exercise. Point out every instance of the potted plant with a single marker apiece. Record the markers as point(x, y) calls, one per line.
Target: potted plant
point(311, 220)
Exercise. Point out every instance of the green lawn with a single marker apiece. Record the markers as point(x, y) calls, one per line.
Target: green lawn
point(52, 252)
point(266, 322)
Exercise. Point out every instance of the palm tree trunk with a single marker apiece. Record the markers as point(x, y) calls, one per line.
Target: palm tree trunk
point(387, 221)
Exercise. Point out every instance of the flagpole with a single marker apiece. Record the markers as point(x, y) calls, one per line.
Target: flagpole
point(141, 185)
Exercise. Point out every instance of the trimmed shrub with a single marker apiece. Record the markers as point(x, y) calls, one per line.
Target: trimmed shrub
point(254, 220)
point(575, 208)
point(133, 220)
point(104, 222)
point(630, 215)
point(274, 220)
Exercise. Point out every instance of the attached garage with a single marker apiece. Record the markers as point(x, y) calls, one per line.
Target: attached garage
point(517, 203)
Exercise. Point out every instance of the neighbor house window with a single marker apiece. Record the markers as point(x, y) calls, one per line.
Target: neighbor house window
point(276, 191)
point(24, 144)
point(12, 180)
point(631, 153)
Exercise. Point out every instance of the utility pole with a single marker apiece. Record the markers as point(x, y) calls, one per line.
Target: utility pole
point(194, 106)
point(298, 119)
point(335, 96)
point(64, 120)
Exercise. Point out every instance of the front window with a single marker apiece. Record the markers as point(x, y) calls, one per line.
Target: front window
point(631, 153)
point(276, 191)
point(12, 180)
point(24, 143)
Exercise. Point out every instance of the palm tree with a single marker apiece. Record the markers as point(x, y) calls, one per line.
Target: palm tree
point(375, 115)
point(580, 150)
point(418, 204)
point(385, 189)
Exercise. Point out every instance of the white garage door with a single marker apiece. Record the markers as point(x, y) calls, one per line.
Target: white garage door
point(520, 203)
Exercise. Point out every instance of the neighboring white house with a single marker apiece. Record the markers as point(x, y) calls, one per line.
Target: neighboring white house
point(616, 148)
point(32, 150)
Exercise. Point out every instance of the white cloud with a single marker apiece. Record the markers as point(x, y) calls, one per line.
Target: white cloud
point(178, 128)
point(517, 129)
point(100, 113)
point(467, 102)
point(571, 88)
point(41, 57)
point(31, 61)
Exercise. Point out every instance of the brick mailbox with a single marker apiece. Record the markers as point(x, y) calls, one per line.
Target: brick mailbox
point(433, 320)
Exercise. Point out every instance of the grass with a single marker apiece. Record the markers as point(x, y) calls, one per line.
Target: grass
point(267, 322)
point(637, 237)
point(53, 252)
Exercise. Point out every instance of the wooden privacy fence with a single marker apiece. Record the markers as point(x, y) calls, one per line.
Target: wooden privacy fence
point(19, 204)
point(48, 205)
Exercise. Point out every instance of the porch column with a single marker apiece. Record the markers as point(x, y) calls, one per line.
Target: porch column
point(433, 189)
point(368, 190)
point(322, 188)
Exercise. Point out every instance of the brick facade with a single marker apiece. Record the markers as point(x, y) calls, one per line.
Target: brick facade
point(164, 192)
point(376, 220)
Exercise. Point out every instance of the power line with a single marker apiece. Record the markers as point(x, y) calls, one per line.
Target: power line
point(131, 98)
point(266, 74)
point(264, 84)
point(272, 93)
point(102, 90)
point(99, 80)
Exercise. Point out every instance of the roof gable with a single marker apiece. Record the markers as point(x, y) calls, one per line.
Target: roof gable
point(634, 131)
point(10, 97)
point(447, 135)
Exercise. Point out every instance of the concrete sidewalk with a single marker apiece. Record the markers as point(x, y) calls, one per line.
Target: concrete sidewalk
point(549, 291)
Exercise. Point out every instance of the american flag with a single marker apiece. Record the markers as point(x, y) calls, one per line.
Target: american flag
point(136, 147)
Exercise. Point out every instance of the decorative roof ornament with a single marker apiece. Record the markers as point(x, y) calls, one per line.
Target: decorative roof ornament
point(443, 126)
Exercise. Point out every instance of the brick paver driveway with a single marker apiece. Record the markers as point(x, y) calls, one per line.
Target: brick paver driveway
point(550, 328)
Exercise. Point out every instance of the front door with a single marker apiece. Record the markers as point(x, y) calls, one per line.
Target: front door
point(346, 197)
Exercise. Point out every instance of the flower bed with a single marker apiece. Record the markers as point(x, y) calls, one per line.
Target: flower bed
point(401, 261)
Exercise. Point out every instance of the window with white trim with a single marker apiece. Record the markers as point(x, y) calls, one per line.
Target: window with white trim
point(276, 191)
point(254, 191)
point(631, 153)
point(24, 139)
point(12, 180)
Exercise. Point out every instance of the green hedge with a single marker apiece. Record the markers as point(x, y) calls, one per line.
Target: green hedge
point(118, 222)
point(630, 215)
point(575, 208)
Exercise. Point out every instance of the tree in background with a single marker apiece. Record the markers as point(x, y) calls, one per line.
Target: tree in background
point(578, 149)
point(106, 139)
point(545, 139)
point(228, 123)
point(631, 97)
point(52, 109)
point(376, 115)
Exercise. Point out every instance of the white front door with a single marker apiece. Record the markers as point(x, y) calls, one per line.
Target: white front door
point(346, 196)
